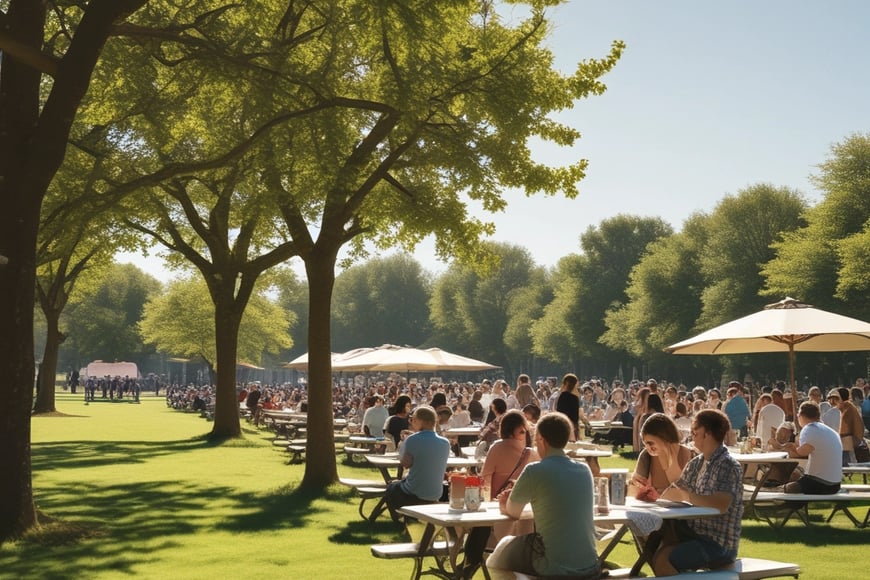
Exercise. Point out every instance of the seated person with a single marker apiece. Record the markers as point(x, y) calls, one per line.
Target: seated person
point(662, 459)
point(490, 431)
point(375, 417)
point(564, 543)
point(444, 414)
point(782, 473)
point(712, 479)
point(822, 447)
point(398, 422)
point(425, 454)
point(461, 416)
point(505, 461)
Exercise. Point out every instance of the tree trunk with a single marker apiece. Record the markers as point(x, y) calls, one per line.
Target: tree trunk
point(31, 150)
point(320, 467)
point(21, 192)
point(48, 366)
point(226, 408)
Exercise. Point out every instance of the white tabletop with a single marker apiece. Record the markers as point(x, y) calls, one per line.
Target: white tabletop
point(583, 453)
point(392, 460)
point(440, 514)
point(764, 457)
point(471, 431)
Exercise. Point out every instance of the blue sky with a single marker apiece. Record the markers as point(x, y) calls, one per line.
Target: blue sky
point(708, 98)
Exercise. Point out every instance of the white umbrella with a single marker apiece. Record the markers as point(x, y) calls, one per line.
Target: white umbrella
point(301, 361)
point(786, 326)
point(394, 358)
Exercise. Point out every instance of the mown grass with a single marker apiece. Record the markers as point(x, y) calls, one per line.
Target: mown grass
point(136, 490)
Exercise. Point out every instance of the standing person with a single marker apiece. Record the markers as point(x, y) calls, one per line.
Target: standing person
point(398, 421)
point(505, 462)
point(779, 399)
point(831, 417)
point(375, 418)
point(560, 491)
point(822, 448)
point(252, 402)
point(736, 407)
point(424, 454)
point(525, 395)
point(663, 458)
point(851, 425)
point(712, 479)
point(865, 403)
point(568, 403)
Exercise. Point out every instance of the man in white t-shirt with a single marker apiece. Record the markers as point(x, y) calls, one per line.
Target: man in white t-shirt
point(823, 449)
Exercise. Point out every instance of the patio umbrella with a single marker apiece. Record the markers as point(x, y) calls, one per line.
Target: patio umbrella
point(300, 363)
point(785, 326)
point(396, 358)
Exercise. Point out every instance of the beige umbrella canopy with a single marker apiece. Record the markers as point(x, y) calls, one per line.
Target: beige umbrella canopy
point(300, 363)
point(394, 358)
point(785, 326)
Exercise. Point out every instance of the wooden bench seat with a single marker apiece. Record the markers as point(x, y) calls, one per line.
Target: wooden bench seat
point(440, 550)
point(624, 573)
point(297, 452)
point(789, 504)
point(758, 568)
point(743, 568)
point(368, 489)
point(356, 454)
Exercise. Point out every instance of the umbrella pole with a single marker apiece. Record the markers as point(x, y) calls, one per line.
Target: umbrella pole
point(793, 385)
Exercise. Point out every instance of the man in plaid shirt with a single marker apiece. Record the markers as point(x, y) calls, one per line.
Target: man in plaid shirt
point(712, 479)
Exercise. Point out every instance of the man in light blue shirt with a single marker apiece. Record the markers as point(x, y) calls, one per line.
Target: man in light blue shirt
point(425, 454)
point(560, 491)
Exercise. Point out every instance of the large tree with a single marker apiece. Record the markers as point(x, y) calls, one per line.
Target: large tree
point(431, 103)
point(471, 311)
point(103, 316)
point(384, 300)
point(45, 71)
point(180, 322)
point(362, 122)
point(740, 233)
point(595, 282)
point(825, 262)
point(664, 296)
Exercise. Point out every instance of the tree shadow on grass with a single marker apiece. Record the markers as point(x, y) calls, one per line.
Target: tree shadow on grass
point(363, 532)
point(119, 527)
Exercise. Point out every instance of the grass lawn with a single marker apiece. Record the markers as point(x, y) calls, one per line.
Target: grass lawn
point(135, 490)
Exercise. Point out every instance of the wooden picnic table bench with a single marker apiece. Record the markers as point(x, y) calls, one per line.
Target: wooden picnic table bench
point(772, 505)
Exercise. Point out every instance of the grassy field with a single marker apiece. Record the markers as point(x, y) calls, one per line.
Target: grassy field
point(134, 490)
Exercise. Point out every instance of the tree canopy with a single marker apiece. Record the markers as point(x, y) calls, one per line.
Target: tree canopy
point(180, 321)
point(825, 262)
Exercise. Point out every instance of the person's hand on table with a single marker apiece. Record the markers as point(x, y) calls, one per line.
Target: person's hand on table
point(676, 492)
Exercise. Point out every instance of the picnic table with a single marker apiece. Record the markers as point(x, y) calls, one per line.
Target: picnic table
point(439, 517)
point(390, 461)
point(590, 455)
point(464, 435)
point(857, 468)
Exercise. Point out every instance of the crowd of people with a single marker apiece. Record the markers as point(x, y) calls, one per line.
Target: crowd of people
point(680, 437)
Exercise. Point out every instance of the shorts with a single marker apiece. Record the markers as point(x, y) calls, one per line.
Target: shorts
point(696, 552)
